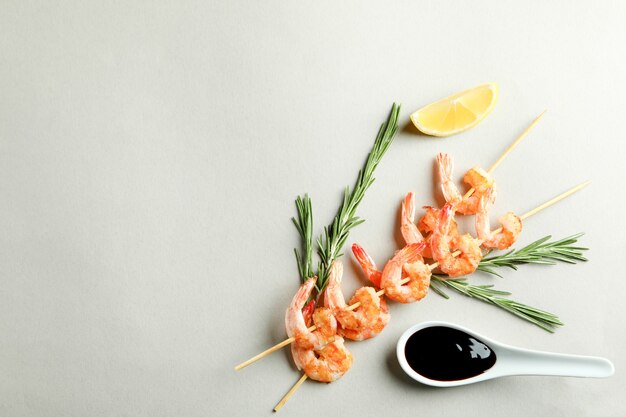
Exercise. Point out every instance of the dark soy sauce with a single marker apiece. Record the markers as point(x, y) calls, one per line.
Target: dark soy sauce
point(446, 354)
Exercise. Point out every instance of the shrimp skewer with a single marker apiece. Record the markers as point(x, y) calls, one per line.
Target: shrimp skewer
point(361, 323)
point(321, 354)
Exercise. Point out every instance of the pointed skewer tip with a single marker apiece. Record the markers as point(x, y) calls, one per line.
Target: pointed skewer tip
point(582, 185)
point(539, 117)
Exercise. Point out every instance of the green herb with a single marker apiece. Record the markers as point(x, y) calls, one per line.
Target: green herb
point(486, 293)
point(330, 243)
point(304, 224)
point(538, 252)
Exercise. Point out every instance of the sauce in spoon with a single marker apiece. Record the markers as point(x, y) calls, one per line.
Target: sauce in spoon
point(446, 354)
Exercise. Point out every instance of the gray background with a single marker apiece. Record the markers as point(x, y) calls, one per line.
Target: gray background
point(150, 153)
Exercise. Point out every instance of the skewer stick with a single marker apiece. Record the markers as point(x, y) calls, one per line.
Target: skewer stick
point(431, 267)
point(290, 392)
point(554, 200)
point(508, 150)
point(268, 351)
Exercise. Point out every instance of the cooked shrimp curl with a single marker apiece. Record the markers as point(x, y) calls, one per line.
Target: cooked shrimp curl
point(476, 178)
point(407, 260)
point(444, 245)
point(367, 264)
point(510, 230)
point(321, 354)
point(428, 222)
point(364, 322)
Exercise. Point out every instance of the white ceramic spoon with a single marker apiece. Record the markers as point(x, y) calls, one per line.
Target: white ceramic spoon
point(510, 360)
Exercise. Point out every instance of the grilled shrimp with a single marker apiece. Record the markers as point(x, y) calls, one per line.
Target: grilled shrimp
point(443, 245)
point(408, 260)
point(321, 354)
point(476, 178)
point(428, 222)
point(364, 322)
point(510, 230)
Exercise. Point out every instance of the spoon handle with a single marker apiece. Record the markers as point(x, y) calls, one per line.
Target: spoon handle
point(531, 362)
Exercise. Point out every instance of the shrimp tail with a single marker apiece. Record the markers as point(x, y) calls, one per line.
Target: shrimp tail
point(444, 218)
point(336, 274)
point(408, 207)
point(411, 253)
point(297, 303)
point(483, 228)
point(299, 300)
point(307, 312)
point(410, 232)
point(449, 190)
point(445, 165)
point(367, 264)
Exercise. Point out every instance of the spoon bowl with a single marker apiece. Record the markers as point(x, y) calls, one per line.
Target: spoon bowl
point(444, 354)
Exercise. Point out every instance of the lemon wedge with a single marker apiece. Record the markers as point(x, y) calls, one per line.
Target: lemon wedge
point(458, 112)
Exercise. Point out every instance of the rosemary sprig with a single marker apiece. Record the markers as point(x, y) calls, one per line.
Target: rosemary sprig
point(488, 294)
point(304, 224)
point(331, 242)
point(538, 252)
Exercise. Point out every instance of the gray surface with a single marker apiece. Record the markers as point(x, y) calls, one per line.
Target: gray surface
point(149, 158)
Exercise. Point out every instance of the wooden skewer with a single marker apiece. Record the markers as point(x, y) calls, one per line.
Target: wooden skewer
point(508, 150)
point(268, 351)
point(554, 200)
point(431, 267)
point(290, 393)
